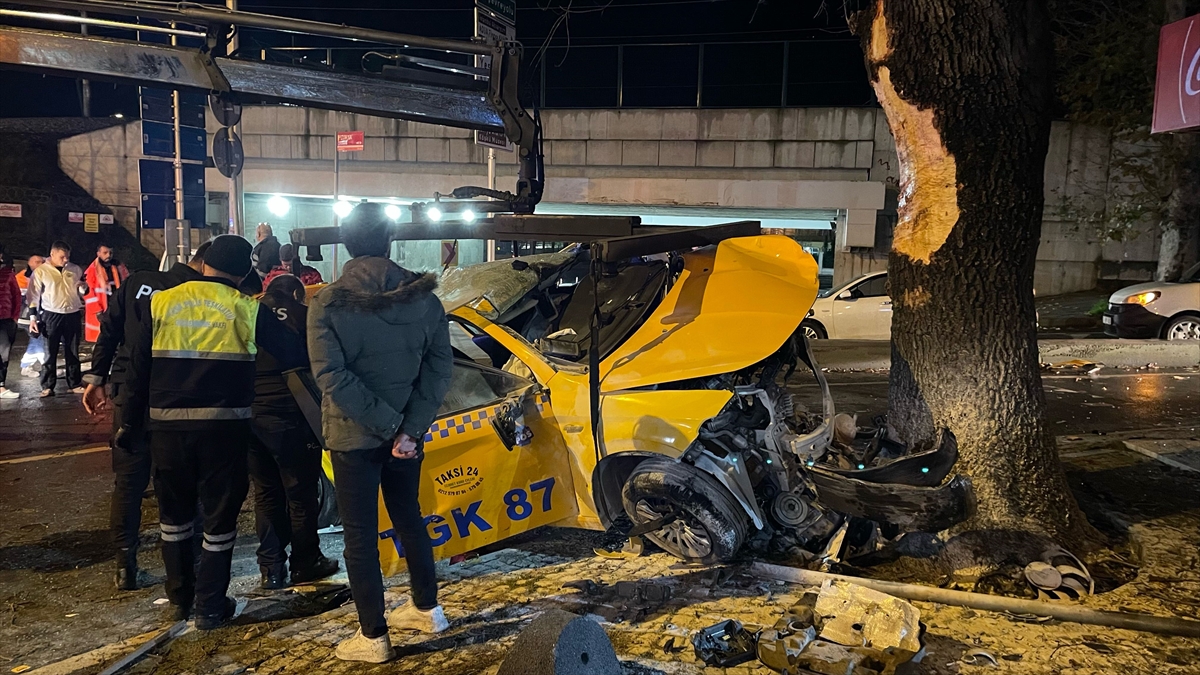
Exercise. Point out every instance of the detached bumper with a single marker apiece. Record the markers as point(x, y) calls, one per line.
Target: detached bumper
point(1132, 321)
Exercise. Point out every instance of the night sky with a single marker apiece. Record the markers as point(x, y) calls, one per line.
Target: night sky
point(743, 65)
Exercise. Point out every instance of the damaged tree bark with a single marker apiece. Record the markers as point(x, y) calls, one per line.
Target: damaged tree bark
point(966, 87)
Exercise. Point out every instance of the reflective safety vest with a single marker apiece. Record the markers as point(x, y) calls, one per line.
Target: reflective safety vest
point(203, 353)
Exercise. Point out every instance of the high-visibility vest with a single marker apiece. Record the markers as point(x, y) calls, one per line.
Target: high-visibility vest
point(203, 352)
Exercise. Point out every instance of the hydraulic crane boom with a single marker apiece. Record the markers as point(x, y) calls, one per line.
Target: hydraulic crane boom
point(447, 96)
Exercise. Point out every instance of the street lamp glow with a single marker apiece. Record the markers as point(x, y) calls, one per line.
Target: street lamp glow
point(278, 206)
point(342, 208)
point(392, 211)
point(434, 214)
point(468, 216)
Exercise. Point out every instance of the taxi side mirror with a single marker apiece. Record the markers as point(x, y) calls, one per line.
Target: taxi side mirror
point(846, 295)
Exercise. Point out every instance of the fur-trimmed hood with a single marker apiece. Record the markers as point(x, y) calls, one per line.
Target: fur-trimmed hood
point(372, 284)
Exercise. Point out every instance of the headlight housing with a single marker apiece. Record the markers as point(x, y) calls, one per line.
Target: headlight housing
point(1142, 298)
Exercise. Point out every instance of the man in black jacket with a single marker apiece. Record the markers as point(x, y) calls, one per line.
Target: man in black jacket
point(192, 369)
point(285, 459)
point(129, 309)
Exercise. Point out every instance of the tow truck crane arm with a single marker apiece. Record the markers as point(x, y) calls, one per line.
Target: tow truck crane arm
point(456, 100)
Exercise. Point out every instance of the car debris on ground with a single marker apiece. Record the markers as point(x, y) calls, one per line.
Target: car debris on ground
point(844, 629)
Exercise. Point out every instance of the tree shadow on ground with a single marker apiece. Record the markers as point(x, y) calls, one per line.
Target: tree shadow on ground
point(59, 551)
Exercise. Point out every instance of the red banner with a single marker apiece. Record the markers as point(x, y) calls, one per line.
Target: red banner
point(349, 141)
point(1177, 91)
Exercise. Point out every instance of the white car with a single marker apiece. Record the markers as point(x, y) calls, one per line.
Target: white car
point(1157, 310)
point(858, 310)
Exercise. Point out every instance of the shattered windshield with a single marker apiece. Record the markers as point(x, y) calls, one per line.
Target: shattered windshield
point(501, 284)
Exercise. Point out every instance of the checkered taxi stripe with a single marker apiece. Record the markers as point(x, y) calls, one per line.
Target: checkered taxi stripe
point(458, 424)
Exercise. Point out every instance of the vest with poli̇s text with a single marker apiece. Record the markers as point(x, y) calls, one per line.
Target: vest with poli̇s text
point(203, 353)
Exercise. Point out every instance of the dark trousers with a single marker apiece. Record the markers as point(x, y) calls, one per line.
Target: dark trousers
point(209, 465)
point(8, 335)
point(65, 329)
point(359, 475)
point(285, 460)
point(131, 476)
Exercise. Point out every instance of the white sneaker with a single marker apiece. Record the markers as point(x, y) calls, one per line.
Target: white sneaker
point(363, 648)
point(8, 393)
point(408, 617)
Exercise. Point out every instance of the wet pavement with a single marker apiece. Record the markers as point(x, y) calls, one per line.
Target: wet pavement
point(57, 599)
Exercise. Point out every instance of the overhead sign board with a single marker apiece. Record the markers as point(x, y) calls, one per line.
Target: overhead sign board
point(1177, 90)
point(106, 219)
point(75, 216)
point(505, 10)
point(10, 210)
point(349, 141)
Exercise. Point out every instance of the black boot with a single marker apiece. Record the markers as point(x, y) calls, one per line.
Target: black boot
point(127, 569)
point(274, 577)
point(321, 568)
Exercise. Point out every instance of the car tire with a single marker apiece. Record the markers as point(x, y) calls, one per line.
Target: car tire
point(327, 510)
point(813, 330)
point(711, 526)
point(1186, 327)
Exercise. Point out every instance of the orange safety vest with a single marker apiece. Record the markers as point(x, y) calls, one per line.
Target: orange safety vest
point(96, 300)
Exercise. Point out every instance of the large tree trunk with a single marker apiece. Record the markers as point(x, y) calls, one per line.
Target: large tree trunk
point(966, 87)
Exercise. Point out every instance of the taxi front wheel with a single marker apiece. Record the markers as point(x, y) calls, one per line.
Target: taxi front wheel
point(708, 526)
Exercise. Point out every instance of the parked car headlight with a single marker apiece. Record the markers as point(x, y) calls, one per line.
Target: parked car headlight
point(1143, 298)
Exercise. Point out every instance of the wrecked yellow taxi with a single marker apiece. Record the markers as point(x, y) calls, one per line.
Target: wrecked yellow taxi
point(675, 424)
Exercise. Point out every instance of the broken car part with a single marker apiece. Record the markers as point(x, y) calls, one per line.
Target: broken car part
point(991, 603)
point(724, 644)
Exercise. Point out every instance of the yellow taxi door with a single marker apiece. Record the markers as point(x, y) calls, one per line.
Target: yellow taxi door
point(478, 487)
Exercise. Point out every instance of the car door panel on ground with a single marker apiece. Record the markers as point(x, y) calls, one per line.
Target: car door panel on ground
point(863, 311)
point(495, 466)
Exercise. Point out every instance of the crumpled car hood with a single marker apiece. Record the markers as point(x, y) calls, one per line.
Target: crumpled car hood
point(733, 305)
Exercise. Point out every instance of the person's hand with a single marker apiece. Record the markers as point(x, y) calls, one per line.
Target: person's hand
point(404, 447)
point(33, 327)
point(95, 399)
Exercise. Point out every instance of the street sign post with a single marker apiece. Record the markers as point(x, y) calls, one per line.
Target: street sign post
point(1177, 89)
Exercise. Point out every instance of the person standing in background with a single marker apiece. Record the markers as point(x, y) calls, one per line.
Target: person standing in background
point(285, 459)
point(56, 301)
point(265, 255)
point(289, 263)
point(34, 262)
point(10, 311)
point(104, 276)
point(35, 351)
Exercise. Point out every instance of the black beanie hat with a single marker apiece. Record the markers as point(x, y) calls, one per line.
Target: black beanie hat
point(230, 254)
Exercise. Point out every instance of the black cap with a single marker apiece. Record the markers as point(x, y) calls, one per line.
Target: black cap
point(230, 254)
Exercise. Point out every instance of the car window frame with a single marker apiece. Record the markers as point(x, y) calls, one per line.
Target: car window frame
point(471, 364)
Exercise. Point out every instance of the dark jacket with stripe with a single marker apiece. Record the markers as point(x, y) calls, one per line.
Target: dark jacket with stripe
point(201, 391)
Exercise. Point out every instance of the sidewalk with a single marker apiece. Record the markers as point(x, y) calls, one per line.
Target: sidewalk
point(877, 355)
point(1072, 312)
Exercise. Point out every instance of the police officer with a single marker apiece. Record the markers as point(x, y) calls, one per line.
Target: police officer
point(195, 367)
point(130, 307)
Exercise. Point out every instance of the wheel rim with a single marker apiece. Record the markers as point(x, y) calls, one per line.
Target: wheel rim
point(680, 537)
point(1188, 329)
point(811, 333)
